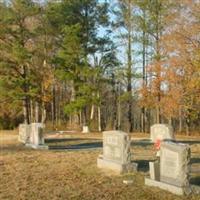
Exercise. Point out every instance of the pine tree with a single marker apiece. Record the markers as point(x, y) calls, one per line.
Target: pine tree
point(15, 60)
point(124, 14)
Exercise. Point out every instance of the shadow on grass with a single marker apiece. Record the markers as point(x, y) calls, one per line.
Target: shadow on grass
point(13, 148)
point(195, 160)
point(87, 145)
point(54, 140)
point(142, 143)
point(190, 142)
point(195, 180)
point(143, 165)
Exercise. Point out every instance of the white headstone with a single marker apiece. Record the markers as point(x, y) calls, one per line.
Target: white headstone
point(85, 129)
point(24, 133)
point(161, 132)
point(36, 136)
point(174, 164)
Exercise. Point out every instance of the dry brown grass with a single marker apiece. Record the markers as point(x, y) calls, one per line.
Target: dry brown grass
point(27, 174)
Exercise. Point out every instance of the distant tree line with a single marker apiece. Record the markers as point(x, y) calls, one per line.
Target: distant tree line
point(121, 64)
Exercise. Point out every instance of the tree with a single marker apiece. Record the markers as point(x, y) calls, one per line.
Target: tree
point(124, 23)
point(182, 71)
point(15, 41)
point(157, 12)
point(80, 43)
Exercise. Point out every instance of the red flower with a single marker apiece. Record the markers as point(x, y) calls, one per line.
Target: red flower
point(157, 144)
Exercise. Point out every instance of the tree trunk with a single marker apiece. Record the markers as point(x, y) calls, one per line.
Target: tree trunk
point(170, 121)
point(53, 106)
point(85, 122)
point(99, 119)
point(129, 70)
point(119, 110)
point(143, 71)
point(36, 112)
point(99, 114)
point(25, 112)
point(43, 113)
point(92, 112)
point(180, 121)
point(80, 118)
point(158, 118)
point(26, 98)
point(158, 59)
point(143, 120)
point(188, 126)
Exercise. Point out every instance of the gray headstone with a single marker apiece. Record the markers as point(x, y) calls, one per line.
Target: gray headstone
point(161, 132)
point(174, 164)
point(116, 146)
point(116, 153)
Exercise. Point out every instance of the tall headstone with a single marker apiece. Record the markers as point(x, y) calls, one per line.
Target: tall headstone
point(36, 136)
point(161, 132)
point(24, 133)
point(116, 152)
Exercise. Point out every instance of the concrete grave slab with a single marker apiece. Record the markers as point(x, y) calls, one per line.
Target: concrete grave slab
point(165, 186)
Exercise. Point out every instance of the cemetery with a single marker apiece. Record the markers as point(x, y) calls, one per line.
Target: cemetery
point(99, 100)
point(112, 164)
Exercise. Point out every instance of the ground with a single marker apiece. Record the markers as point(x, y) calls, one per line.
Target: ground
point(73, 174)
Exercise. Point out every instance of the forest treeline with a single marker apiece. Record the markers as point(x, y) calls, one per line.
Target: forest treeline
point(118, 64)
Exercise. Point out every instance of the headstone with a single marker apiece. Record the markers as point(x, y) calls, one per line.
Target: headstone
point(174, 163)
point(85, 129)
point(173, 170)
point(116, 152)
point(36, 136)
point(116, 146)
point(127, 182)
point(24, 133)
point(161, 132)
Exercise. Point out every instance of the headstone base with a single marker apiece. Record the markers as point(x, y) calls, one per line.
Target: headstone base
point(33, 146)
point(165, 186)
point(154, 170)
point(116, 167)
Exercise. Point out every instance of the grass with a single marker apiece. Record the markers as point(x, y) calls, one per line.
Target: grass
point(27, 174)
